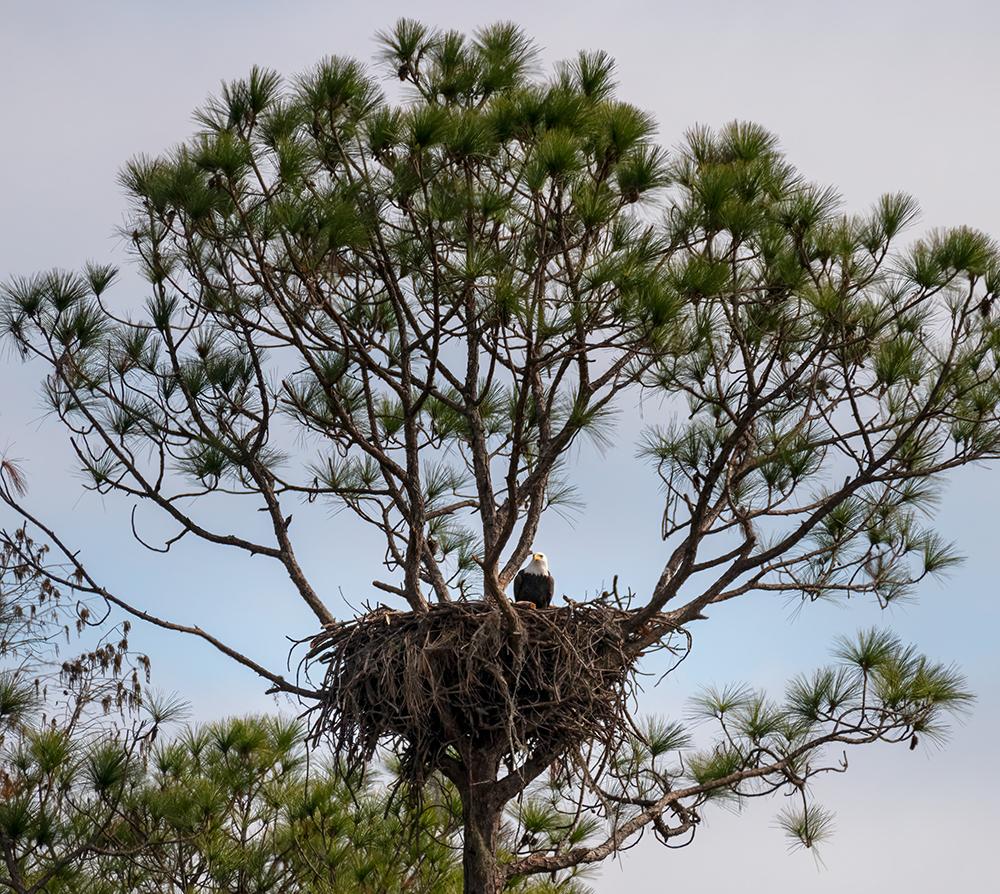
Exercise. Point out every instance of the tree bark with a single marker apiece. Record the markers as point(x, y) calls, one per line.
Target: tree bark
point(481, 815)
point(480, 871)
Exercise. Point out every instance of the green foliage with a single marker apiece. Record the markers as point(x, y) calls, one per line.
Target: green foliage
point(321, 183)
point(17, 698)
point(368, 244)
point(234, 805)
point(416, 309)
point(807, 826)
point(879, 689)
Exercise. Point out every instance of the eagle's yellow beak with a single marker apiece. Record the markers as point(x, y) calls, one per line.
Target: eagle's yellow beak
point(536, 556)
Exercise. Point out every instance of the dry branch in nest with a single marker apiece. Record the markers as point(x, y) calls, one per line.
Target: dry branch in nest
point(453, 677)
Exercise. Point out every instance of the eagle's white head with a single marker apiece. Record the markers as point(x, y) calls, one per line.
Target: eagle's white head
point(538, 564)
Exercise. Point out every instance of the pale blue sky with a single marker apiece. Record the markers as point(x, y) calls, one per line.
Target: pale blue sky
point(872, 97)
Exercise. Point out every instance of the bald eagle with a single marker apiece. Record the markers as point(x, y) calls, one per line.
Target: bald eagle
point(534, 583)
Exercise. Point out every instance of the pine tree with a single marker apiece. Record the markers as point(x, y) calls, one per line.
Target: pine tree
point(440, 295)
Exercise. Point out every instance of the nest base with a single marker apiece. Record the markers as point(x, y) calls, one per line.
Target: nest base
point(454, 677)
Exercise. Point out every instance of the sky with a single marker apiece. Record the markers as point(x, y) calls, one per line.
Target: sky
point(871, 97)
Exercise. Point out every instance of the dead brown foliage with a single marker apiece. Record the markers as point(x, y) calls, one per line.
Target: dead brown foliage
point(454, 677)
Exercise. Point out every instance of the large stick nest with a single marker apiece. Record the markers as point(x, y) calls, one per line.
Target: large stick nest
point(454, 677)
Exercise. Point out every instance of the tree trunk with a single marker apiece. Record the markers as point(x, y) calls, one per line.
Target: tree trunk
point(479, 859)
point(481, 814)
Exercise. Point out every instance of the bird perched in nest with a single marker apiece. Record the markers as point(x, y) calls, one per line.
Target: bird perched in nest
point(534, 583)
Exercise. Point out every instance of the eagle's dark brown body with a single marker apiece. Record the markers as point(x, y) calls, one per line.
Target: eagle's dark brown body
point(536, 588)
